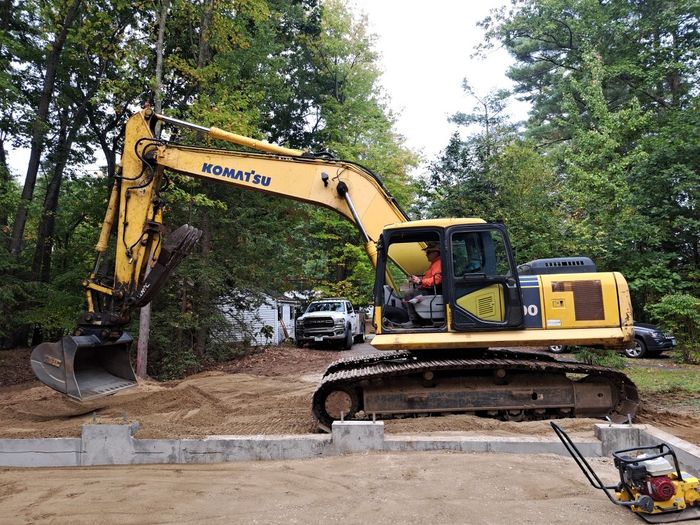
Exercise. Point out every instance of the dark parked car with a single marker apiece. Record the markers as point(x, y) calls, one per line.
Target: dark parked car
point(649, 341)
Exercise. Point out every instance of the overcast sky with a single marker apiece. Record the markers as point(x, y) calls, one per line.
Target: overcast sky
point(426, 49)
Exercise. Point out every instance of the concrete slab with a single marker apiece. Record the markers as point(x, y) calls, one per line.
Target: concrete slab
point(619, 437)
point(687, 453)
point(247, 448)
point(108, 444)
point(512, 445)
point(454, 443)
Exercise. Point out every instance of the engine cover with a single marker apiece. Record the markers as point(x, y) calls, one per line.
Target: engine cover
point(660, 488)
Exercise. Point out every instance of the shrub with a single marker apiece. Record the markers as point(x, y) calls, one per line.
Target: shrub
point(600, 357)
point(680, 313)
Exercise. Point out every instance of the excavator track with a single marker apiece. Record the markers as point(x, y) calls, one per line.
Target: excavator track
point(502, 384)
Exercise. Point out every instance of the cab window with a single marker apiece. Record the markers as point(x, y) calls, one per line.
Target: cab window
point(480, 253)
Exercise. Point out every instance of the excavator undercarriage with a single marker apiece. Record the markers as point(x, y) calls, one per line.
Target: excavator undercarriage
point(501, 384)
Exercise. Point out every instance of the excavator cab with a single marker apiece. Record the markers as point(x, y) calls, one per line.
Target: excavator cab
point(478, 278)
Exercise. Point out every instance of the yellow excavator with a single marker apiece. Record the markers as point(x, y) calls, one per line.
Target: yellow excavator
point(441, 346)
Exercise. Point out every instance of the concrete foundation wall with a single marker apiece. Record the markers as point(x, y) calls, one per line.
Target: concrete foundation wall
point(618, 437)
point(56, 452)
point(115, 445)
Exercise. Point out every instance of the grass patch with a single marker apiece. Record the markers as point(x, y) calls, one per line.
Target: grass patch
point(654, 380)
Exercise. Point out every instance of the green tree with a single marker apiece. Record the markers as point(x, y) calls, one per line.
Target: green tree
point(681, 314)
point(614, 104)
point(59, 19)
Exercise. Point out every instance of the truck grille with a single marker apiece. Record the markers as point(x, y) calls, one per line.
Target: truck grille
point(318, 322)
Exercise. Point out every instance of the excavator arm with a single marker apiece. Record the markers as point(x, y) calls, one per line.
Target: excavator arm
point(94, 360)
point(280, 171)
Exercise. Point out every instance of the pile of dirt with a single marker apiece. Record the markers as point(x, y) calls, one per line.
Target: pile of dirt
point(676, 413)
point(205, 404)
point(268, 392)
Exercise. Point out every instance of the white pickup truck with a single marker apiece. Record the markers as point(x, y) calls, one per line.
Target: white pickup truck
point(330, 320)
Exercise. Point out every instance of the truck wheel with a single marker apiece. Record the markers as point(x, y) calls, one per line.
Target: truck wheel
point(360, 338)
point(347, 342)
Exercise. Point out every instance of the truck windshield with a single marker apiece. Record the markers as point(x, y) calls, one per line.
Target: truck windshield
point(326, 307)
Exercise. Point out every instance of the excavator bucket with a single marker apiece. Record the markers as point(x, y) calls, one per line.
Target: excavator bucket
point(85, 367)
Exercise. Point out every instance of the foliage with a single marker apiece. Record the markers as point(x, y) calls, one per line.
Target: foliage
point(607, 164)
point(613, 88)
point(267, 332)
point(681, 314)
point(294, 72)
point(497, 176)
point(600, 357)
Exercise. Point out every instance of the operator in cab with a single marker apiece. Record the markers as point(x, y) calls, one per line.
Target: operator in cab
point(432, 278)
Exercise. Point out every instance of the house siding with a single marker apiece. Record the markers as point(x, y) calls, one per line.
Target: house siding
point(265, 315)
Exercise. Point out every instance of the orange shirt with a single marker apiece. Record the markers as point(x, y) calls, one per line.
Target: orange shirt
point(432, 277)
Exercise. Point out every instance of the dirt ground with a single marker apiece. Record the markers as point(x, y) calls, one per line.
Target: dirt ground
point(265, 393)
point(270, 392)
point(411, 488)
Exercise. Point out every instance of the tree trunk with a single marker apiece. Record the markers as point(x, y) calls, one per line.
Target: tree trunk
point(145, 312)
point(40, 125)
point(204, 288)
point(5, 180)
point(102, 135)
point(41, 264)
point(204, 51)
point(205, 242)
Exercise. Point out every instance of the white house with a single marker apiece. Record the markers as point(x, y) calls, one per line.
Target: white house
point(270, 324)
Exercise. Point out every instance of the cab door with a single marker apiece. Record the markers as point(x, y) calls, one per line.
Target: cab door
point(483, 290)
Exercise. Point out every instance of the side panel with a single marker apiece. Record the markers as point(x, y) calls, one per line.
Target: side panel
point(575, 300)
point(587, 300)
